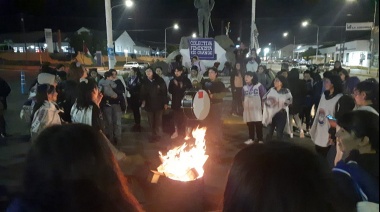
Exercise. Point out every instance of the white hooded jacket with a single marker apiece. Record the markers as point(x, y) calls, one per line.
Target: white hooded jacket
point(46, 116)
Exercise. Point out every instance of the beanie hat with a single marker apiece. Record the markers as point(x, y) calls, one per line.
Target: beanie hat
point(283, 80)
point(46, 78)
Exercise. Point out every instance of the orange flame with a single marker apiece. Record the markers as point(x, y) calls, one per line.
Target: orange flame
point(184, 164)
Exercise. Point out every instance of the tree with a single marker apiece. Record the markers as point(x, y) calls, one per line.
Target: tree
point(310, 52)
point(93, 41)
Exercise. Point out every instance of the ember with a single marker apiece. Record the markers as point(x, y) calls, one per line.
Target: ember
point(185, 163)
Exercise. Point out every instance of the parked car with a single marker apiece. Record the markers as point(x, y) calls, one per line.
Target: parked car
point(130, 65)
point(143, 66)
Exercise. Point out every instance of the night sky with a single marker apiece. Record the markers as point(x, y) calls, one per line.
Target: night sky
point(148, 18)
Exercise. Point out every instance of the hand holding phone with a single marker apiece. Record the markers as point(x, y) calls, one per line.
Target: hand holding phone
point(332, 121)
point(330, 117)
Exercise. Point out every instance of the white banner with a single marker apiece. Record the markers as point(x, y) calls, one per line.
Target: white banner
point(49, 40)
point(362, 26)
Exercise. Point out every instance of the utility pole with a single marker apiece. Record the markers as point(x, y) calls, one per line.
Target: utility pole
point(254, 31)
point(110, 49)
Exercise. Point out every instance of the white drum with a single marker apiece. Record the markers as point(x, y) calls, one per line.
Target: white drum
point(196, 104)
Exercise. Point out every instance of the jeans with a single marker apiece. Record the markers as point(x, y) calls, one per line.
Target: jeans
point(155, 122)
point(278, 122)
point(113, 115)
point(259, 130)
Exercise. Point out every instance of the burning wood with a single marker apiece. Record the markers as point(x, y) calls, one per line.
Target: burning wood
point(184, 163)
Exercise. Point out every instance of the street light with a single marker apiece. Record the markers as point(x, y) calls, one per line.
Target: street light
point(129, 3)
point(175, 26)
point(305, 24)
point(194, 35)
point(110, 47)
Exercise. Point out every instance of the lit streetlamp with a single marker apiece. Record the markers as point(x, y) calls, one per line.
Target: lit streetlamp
point(110, 47)
point(175, 26)
point(305, 24)
point(194, 35)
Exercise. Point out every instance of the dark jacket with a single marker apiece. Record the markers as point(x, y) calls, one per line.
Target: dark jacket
point(154, 93)
point(134, 85)
point(119, 90)
point(309, 93)
point(297, 88)
point(317, 89)
point(178, 91)
point(216, 88)
point(5, 90)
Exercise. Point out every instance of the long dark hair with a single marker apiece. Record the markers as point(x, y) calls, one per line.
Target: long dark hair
point(65, 156)
point(43, 91)
point(362, 123)
point(235, 71)
point(138, 72)
point(85, 88)
point(371, 89)
point(279, 176)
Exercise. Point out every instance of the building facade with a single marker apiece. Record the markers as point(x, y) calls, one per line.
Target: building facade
point(125, 45)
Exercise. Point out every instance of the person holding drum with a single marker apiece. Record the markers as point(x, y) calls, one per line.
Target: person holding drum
point(177, 87)
point(216, 90)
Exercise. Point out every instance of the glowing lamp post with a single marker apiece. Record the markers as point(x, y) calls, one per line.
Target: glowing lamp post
point(175, 26)
point(305, 24)
point(110, 49)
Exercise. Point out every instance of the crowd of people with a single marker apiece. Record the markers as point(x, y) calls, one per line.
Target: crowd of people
point(75, 124)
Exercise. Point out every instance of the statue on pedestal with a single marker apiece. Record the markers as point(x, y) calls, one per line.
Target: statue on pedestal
point(204, 13)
